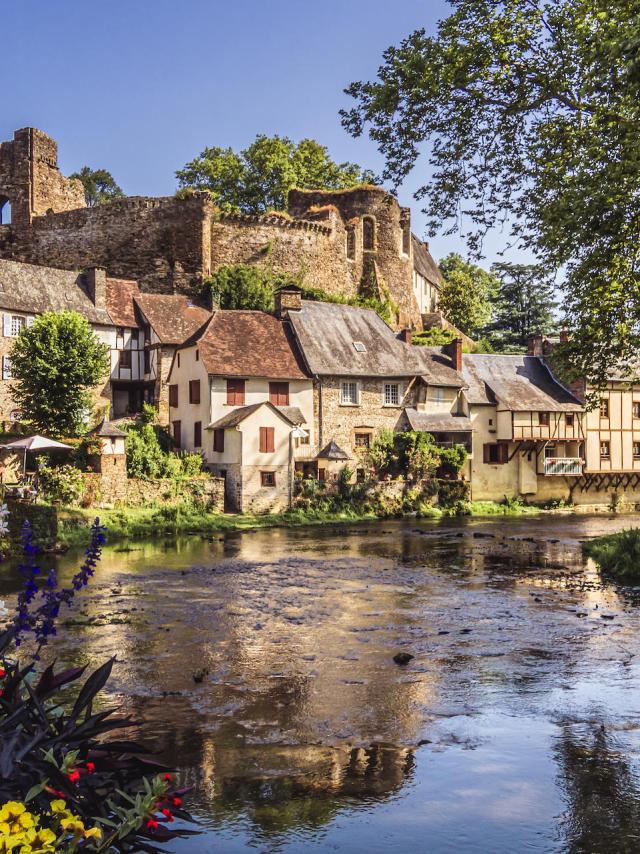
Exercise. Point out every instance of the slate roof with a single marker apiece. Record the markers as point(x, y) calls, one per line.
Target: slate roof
point(237, 416)
point(120, 301)
point(518, 383)
point(33, 289)
point(293, 413)
point(248, 344)
point(332, 452)
point(174, 317)
point(436, 368)
point(424, 263)
point(436, 423)
point(108, 430)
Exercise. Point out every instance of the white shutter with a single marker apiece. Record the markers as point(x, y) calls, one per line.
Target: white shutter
point(30, 320)
point(6, 368)
point(6, 325)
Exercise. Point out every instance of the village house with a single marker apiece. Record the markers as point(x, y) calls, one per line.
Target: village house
point(239, 394)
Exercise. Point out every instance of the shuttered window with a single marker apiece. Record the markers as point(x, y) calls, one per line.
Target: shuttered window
point(6, 368)
point(267, 440)
point(268, 478)
point(495, 454)
point(177, 433)
point(194, 391)
point(218, 440)
point(197, 434)
point(235, 392)
point(173, 395)
point(279, 394)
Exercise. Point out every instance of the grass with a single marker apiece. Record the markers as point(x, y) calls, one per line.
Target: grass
point(618, 555)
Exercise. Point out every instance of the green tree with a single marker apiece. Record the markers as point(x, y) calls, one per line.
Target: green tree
point(530, 113)
point(466, 293)
point(258, 178)
point(523, 306)
point(99, 186)
point(243, 286)
point(55, 362)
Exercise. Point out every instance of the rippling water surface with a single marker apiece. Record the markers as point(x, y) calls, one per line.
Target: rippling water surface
point(516, 727)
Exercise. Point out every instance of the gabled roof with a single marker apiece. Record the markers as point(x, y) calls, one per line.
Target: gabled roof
point(435, 367)
point(173, 317)
point(108, 430)
point(33, 289)
point(293, 413)
point(332, 452)
point(237, 416)
point(437, 423)
point(518, 383)
point(248, 344)
point(120, 305)
point(423, 262)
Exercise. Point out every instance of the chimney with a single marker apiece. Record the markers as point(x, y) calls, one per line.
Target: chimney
point(406, 335)
point(534, 345)
point(564, 336)
point(454, 351)
point(96, 281)
point(578, 388)
point(288, 298)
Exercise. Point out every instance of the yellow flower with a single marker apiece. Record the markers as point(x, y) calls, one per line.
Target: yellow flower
point(58, 806)
point(39, 842)
point(93, 833)
point(9, 843)
point(15, 819)
point(73, 824)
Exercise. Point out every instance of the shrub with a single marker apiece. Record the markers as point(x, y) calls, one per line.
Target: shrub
point(149, 455)
point(617, 554)
point(64, 483)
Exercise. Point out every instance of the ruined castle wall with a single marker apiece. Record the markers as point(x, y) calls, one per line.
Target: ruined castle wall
point(159, 242)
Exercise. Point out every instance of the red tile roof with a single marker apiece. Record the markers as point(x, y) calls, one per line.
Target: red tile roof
point(120, 294)
point(248, 344)
point(173, 317)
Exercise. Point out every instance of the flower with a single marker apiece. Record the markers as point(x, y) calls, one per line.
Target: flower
point(39, 841)
point(73, 824)
point(176, 801)
point(4, 611)
point(74, 776)
point(58, 806)
point(93, 833)
point(15, 819)
point(90, 767)
point(168, 777)
point(152, 824)
point(166, 812)
point(9, 843)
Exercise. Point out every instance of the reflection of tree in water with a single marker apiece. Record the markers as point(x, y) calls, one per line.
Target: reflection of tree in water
point(603, 811)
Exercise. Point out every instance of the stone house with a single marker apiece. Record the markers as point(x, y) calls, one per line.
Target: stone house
point(239, 394)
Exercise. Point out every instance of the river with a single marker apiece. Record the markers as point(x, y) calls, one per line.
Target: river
point(515, 727)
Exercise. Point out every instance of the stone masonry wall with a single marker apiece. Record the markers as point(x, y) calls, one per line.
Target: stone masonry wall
point(109, 488)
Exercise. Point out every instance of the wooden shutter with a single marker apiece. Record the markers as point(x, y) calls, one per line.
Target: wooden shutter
point(177, 433)
point(503, 454)
point(486, 453)
point(235, 392)
point(218, 440)
point(279, 393)
point(173, 395)
point(6, 368)
point(197, 434)
point(194, 391)
point(267, 440)
point(6, 325)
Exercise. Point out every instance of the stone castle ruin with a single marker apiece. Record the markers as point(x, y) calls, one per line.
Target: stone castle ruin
point(349, 242)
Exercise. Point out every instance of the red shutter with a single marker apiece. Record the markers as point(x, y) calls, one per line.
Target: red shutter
point(235, 392)
point(194, 391)
point(218, 440)
point(279, 394)
point(173, 395)
point(267, 440)
point(197, 434)
point(177, 433)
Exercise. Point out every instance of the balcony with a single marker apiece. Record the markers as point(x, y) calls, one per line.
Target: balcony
point(563, 466)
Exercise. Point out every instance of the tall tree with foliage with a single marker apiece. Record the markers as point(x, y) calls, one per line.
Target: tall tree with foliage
point(465, 297)
point(258, 178)
point(530, 113)
point(99, 186)
point(243, 286)
point(523, 306)
point(55, 363)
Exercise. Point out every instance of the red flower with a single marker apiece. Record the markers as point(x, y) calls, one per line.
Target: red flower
point(168, 777)
point(3, 672)
point(1, 692)
point(74, 776)
point(91, 767)
point(152, 824)
point(177, 802)
point(166, 812)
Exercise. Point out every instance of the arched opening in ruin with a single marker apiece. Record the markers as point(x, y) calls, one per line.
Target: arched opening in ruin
point(5, 211)
point(368, 233)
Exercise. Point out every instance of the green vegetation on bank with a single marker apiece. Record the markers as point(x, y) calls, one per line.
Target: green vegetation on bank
point(617, 554)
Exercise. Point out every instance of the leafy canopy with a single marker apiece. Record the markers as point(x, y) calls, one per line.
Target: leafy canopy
point(465, 297)
point(530, 113)
point(258, 178)
point(55, 362)
point(523, 306)
point(99, 186)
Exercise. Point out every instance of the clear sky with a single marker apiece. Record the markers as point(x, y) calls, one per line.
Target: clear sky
point(139, 87)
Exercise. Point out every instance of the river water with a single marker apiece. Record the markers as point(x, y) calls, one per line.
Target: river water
point(515, 727)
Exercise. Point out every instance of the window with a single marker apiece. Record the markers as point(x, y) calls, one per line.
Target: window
point(267, 440)
point(17, 325)
point(218, 440)
point(351, 243)
point(604, 407)
point(322, 475)
point(360, 476)
point(302, 440)
point(391, 394)
point(543, 419)
point(6, 368)
point(437, 395)
point(359, 347)
point(235, 392)
point(636, 450)
point(496, 454)
point(363, 440)
point(368, 234)
point(605, 450)
point(279, 394)
point(197, 355)
point(197, 434)
point(349, 394)
point(173, 395)
point(124, 360)
point(194, 391)
point(147, 361)
point(177, 432)
point(636, 408)
point(268, 478)
point(569, 419)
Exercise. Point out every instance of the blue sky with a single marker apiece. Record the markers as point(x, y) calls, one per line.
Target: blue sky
point(139, 87)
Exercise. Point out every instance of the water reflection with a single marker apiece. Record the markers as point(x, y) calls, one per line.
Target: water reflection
point(303, 731)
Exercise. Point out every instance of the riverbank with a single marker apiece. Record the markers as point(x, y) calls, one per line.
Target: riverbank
point(617, 555)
